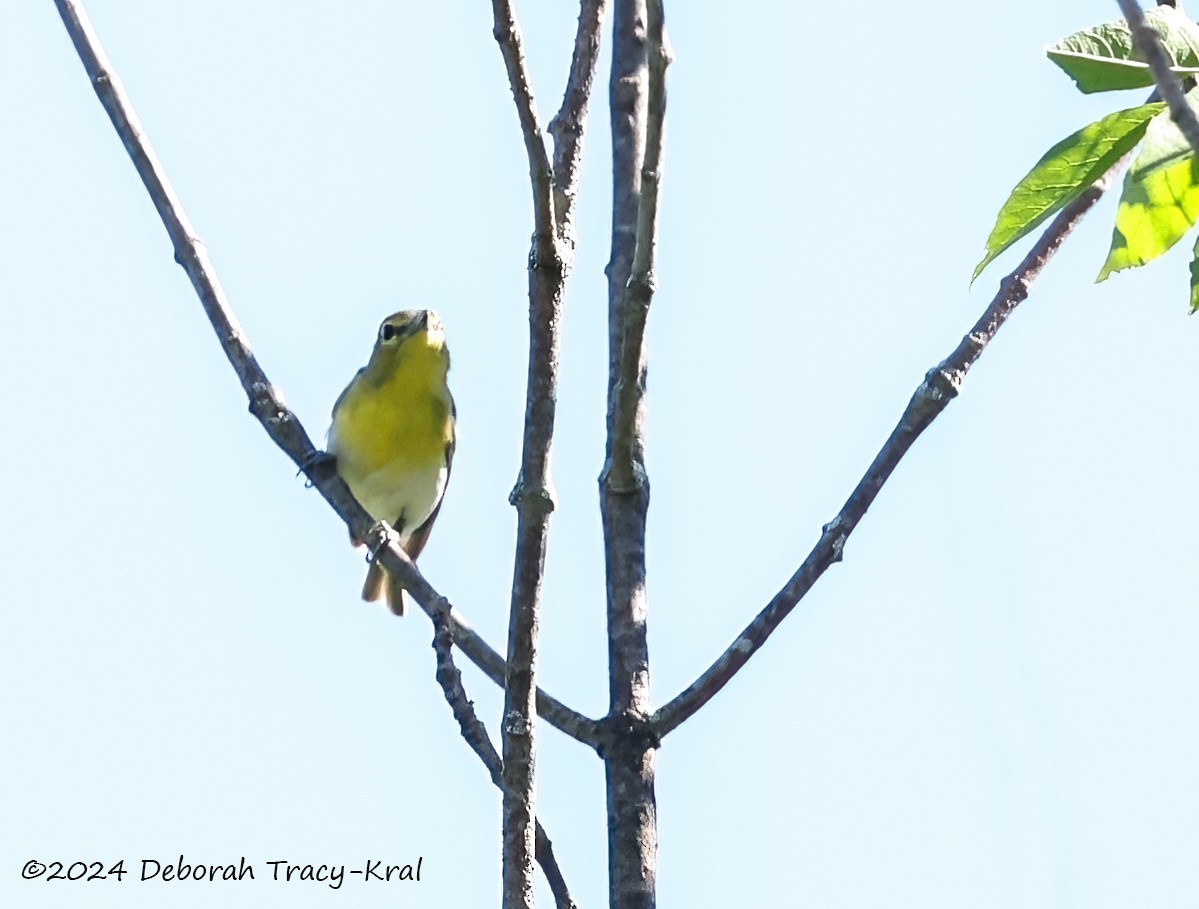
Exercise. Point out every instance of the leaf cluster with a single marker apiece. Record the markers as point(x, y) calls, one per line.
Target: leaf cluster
point(1159, 202)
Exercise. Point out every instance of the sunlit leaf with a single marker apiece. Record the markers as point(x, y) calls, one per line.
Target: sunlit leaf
point(1160, 202)
point(1063, 173)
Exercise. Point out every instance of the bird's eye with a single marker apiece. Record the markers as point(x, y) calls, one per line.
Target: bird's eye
point(387, 332)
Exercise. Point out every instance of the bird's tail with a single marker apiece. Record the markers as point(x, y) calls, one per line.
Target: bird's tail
point(380, 585)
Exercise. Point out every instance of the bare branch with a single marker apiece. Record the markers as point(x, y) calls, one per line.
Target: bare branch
point(266, 404)
point(1171, 89)
point(563, 718)
point(567, 125)
point(549, 262)
point(507, 34)
point(622, 471)
point(190, 253)
point(450, 680)
point(533, 494)
point(940, 386)
point(637, 100)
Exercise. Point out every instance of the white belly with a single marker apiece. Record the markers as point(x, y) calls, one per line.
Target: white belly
point(402, 498)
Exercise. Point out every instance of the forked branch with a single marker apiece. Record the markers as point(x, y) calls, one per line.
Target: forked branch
point(266, 404)
point(475, 734)
point(281, 424)
point(940, 386)
point(567, 125)
point(541, 176)
point(549, 262)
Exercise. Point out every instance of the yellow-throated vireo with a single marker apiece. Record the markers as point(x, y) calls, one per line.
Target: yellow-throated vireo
point(393, 436)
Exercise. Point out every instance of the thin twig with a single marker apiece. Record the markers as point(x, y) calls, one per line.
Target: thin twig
point(533, 493)
point(1172, 91)
point(623, 472)
point(475, 734)
point(567, 125)
point(940, 386)
point(266, 404)
point(507, 35)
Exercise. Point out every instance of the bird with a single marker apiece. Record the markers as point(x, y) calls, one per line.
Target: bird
point(393, 435)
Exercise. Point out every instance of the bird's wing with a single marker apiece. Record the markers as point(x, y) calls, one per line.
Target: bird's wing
point(420, 536)
point(345, 391)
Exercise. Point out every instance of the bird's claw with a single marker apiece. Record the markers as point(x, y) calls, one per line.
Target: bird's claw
point(317, 459)
point(379, 537)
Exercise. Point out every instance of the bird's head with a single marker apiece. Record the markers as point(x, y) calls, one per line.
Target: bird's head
point(406, 332)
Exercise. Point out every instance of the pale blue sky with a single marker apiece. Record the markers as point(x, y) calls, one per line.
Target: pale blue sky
point(991, 703)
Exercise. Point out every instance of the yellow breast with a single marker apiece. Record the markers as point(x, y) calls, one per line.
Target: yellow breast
point(392, 430)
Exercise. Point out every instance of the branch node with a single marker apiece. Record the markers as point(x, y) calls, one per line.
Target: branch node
point(515, 724)
point(641, 288)
point(628, 731)
point(545, 254)
point(941, 383)
point(633, 480)
point(441, 616)
point(538, 499)
point(836, 530)
point(1015, 286)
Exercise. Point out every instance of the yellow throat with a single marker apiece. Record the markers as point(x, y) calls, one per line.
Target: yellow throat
point(393, 432)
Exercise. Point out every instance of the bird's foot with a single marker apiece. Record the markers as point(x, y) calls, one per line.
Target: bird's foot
point(317, 460)
point(379, 537)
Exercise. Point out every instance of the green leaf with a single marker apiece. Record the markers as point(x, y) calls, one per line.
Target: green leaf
point(1195, 279)
point(1160, 201)
point(1063, 173)
point(1164, 142)
point(1105, 58)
